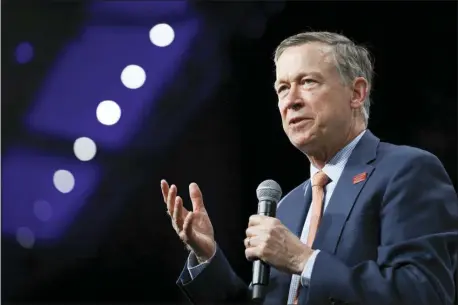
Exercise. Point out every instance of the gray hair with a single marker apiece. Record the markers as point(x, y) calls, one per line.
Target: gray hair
point(351, 60)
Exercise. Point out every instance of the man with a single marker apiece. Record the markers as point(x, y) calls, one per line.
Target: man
point(377, 224)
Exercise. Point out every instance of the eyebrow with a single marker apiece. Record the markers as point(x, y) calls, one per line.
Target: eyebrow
point(300, 75)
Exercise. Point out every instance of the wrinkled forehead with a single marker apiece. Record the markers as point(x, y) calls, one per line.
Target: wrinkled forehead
point(306, 58)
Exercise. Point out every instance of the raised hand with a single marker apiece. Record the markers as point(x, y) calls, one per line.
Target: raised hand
point(193, 227)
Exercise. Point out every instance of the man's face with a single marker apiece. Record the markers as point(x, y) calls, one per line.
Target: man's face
point(313, 102)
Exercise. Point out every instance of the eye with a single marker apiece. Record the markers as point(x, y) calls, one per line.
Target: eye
point(281, 88)
point(308, 81)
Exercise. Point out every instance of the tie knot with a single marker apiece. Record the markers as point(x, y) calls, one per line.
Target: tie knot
point(320, 179)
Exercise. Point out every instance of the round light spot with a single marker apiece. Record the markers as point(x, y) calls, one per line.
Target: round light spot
point(133, 76)
point(64, 181)
point(108, 112)
point(24, 52)
point(84, 148)
point(25, 237)
point(161, 34)
point(42, 210)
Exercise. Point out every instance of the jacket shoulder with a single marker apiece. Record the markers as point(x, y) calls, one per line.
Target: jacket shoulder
point(403, 154)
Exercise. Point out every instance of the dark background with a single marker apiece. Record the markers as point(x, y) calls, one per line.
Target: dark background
point(234, 143)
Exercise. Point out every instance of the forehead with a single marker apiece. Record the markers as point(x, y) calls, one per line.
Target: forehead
point(307, 58)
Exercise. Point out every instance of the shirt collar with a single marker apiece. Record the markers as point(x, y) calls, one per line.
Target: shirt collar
point(334, 168)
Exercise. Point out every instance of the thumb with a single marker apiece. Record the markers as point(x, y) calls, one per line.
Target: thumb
point(196, 198)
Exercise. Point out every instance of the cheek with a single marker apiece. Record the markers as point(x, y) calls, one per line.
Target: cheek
point(317, 105)
point(334, 114)
point(324, 105)
point(282, 113)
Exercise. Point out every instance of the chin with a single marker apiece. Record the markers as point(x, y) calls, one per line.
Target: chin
point(304, 139)
point(300, 141)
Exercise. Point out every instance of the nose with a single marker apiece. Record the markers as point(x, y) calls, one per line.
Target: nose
point(295, 105)
point(293, 101)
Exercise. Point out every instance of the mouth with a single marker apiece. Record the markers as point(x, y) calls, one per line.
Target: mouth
point(297, 120)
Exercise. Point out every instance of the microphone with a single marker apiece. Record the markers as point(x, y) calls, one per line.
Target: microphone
point(269, 194)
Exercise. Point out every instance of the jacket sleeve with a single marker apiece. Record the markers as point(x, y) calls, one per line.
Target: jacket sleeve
point(217, 283)
point(419, 245)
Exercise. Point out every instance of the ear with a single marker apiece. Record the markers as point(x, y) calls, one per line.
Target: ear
point(360, 90)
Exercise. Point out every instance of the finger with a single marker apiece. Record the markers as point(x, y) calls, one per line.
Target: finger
point(251, 253)
point(196, 198)
point(255, 231)
point(183, 211)
point(255, 220)
point(261, 220)
point(178, 213)
point(171, 199)
point(187, 227)
point(254, 241)
point(165, 189)
point(248, 242)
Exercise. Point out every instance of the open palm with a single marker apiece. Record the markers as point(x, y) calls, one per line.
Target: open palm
point(193, 227)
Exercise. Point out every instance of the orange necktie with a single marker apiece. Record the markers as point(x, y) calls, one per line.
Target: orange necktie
point(319, 181)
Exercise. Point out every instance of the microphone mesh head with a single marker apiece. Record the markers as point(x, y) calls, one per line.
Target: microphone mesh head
point(269, 190)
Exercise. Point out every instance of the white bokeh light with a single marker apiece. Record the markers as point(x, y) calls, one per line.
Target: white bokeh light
point(108, 112)
point(25, 237)
point(42, 210)
point(64, 181)
point(133, 76)
point(162, 34)
point(84, 148)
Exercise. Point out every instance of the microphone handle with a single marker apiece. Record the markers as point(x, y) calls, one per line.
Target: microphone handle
point(261, 274)
point(267, 208)
point(261, 270)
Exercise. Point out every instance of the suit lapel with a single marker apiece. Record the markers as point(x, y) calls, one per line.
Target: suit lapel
point(346, 193)
point(293, 210)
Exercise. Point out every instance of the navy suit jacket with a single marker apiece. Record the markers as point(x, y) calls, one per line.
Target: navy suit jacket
point(390, 239)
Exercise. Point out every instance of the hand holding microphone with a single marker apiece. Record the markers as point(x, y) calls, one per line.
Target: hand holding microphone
point(270, 243)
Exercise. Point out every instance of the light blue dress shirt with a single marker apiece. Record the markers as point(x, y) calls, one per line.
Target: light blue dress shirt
point(333, 169)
